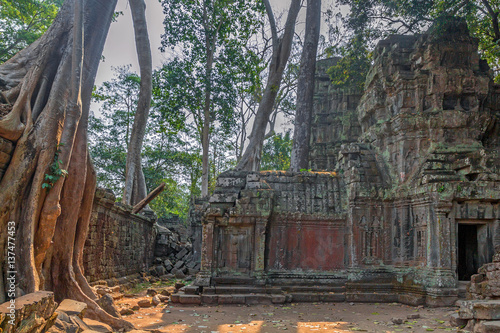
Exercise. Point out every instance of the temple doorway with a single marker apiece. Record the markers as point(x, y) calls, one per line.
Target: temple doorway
point(474, 248)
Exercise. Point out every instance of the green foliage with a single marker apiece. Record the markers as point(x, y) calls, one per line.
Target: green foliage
point(55, 171)
point(351, 69)
point(276, 152)
point(204, 32)
point(167, 154)
point(22, 22)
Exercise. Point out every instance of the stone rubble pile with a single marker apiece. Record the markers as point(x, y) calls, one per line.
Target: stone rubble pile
point(481, 311)
point(173, 258)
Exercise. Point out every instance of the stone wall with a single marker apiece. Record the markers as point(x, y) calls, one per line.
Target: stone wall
point(335, 121)
point(119, 243)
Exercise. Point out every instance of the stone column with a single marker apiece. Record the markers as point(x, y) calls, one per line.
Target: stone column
point(441, 281)
point(207, 252)
point(444, 230)
point(260, 246)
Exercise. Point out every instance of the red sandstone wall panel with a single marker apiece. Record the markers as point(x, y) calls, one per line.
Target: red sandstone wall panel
point(306, 245)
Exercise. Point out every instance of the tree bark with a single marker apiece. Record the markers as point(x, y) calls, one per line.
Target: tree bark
point(305, 88)
point(135, 187)
point(250, 160)
point(50, 85)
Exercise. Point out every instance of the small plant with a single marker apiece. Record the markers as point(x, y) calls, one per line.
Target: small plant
point(441, 189)
point(305, 170)
point(55, 170)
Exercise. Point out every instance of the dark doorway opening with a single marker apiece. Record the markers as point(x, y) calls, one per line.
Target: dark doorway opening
point(468, 262)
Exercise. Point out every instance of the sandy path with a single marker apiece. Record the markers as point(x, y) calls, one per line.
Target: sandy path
point(296, 318)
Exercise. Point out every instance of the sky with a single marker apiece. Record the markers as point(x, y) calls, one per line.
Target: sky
point(120, 49)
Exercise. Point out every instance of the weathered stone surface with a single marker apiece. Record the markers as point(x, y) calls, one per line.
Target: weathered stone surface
point(72, 308)
point(119, 243)
point(31, 313)
point(107, 303)
point(97, 326)
point(456, 321)
point(144, 303)
point(156, 300)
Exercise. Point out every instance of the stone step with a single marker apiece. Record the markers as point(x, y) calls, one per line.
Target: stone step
point(317, 289)
point(246, 290)
point(480, 309)
point(234, 280)
point(317, 297)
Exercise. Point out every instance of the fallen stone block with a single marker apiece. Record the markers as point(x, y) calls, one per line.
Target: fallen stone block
point(97, 326)
point(151, 292)
point(487, 310)
point(155, 300)
point(72, 308)
point(144, 303)
point(126, 312)
point(107, 303)
point(179, 264)
point(182, 253)
point(456, 321)
point(179, 274)
point(31, 313)
point(487, 327)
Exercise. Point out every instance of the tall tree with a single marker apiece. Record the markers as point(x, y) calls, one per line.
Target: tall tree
point(305, 88)
point(212, 50)
point(281, 52)
point(46, 90)
point(135, 185)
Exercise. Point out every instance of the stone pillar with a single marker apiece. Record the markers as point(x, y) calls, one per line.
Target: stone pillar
point(441, 286)
point(444, 230)
point(207, 252)
point(260, 246)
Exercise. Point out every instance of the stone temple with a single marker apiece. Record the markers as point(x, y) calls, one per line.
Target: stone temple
point(403, 202)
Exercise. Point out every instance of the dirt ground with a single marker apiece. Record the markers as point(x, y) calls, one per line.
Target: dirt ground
point(295, 317)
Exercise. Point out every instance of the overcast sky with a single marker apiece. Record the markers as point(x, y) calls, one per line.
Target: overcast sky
point(120, 50)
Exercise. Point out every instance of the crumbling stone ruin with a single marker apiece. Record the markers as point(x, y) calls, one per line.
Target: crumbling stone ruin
point(121, 246)
point(404, 199)
point(481, 311)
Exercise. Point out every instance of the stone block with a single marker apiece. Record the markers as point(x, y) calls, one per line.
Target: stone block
point(278, 299)
point(179, 264)
point(305, 297)
point(488, 309)
point(189, 299)
point(107, 303)
point(456, 321)
point(182, 253)
point(332, 297)
point(31, 313)
point(174, 298)
point(72, 308)
point(209, 299)
point(487, 327)
point(191, 290)
point(145, 303)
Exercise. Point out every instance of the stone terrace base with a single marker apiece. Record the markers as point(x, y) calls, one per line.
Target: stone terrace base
point(237, 290)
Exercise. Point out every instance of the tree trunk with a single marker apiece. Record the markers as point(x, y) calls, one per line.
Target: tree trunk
point(250, 160)
point(305, 88)
point(50, 85)
point(135, 186)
